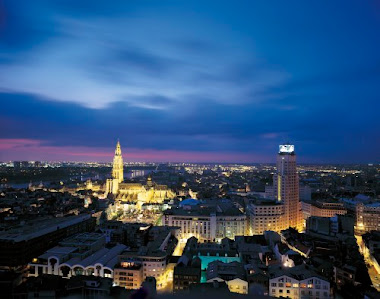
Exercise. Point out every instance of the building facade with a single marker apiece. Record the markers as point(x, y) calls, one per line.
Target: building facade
point(265, 215)
point(322, 209)
point(154, 256)
point(367, 218)
point(298, 283)
point(21, 245)
point(133, 195)
point(290, 287)
point(207, 223)
point(81, 254)
point(118, 167)
point(286, 186)
point(238, 285)
point(186, 272)
point(128, 275)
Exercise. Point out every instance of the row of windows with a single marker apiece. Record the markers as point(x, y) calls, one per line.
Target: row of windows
point(303, 293)
point(156, 265)
point(186, 276)
point(152, 260)
point(289, 284)
point(126, 278)
point(125, 274)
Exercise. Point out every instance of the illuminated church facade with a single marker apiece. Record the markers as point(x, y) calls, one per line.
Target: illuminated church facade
point(134, 194)
point(112, 185)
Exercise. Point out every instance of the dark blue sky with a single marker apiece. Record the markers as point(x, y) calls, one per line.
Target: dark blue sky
point(190, 80)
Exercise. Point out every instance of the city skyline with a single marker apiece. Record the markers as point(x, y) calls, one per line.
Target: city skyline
point(140, 157)
point(189, 81)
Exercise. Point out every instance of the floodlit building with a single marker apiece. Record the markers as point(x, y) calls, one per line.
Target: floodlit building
point(285, 210)
point(206, 220)
point(367, 217)
point(264, 215)
point(286, 186)
point(133, 194)
point(118, 167)
point(112, 185)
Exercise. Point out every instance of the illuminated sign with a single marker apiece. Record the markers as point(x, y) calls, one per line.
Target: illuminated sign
point(286, 148)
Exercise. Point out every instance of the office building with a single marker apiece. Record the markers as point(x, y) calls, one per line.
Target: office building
point(286, 186)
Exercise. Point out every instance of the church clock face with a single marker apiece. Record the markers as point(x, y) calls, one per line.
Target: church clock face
point(286, 148)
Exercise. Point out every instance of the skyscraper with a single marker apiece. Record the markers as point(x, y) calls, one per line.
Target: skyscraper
point(117, 169)
point(286, 186)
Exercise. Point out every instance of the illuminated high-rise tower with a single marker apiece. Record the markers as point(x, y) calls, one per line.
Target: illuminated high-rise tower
point(117, 169)
point(286, 186)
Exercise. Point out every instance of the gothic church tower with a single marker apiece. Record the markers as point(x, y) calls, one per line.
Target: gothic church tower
point(117, 169)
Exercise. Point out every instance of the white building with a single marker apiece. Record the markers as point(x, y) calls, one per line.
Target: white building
point(297, 283)
point(206, 222)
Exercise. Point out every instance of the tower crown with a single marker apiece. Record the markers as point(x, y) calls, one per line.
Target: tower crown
point(118, 149)
point(286, 149)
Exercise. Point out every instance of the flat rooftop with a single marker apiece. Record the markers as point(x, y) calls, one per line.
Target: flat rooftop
point(205, 210)
point(39, 227)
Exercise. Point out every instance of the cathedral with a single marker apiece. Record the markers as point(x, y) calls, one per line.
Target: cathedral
point(134, 194)
point(112, 185)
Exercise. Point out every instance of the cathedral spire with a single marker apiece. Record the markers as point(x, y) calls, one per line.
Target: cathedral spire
point(117, 169)
point(118, 148)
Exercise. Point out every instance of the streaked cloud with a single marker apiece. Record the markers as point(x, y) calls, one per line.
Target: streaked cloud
point(189, 78)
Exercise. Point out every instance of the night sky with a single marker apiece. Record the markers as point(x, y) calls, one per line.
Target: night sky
point(196, 81)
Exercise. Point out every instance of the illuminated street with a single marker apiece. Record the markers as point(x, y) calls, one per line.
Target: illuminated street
point(373, 274)
point(180, 247)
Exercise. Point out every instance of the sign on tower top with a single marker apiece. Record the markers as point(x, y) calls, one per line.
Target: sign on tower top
point(286, 148)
